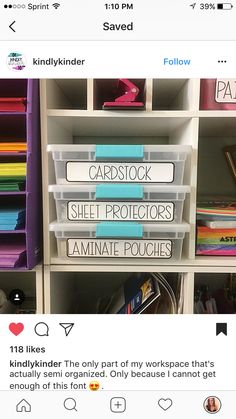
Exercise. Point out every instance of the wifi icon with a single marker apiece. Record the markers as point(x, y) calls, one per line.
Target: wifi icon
point(56, 5)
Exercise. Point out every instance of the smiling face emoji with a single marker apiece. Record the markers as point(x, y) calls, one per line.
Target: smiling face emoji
point(94, 385)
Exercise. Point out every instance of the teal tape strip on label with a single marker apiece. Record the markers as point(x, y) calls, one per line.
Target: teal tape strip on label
point(116, 191)
point(119, 152)
point(119, 230)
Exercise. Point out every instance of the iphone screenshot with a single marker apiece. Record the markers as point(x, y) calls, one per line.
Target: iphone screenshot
point(117, 209)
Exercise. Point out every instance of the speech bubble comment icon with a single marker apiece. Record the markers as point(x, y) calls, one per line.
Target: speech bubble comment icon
point(41, 329)
point(70, 404)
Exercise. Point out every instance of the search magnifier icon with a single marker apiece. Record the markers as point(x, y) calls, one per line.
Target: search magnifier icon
point(70, 404)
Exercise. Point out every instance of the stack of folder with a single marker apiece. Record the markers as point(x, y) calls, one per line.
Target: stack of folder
point(216, 241)
point(12, 219)
point(216, 230)
point(12, 176)
point(216, 212)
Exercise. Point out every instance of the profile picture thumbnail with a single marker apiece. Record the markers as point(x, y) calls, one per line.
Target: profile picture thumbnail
point(212, 405)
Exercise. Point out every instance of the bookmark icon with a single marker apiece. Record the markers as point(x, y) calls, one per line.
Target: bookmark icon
point(67, 327)
point(221, 328)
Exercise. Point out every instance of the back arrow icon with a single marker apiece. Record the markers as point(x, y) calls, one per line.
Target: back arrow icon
point(11, 26)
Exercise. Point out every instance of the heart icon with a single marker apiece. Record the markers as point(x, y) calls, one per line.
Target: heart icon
point(165, 404)
point(16, 328)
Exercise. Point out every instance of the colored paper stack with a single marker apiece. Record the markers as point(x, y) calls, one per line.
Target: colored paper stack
point(19, 174)
point(12, 254)
point(216, 230)
point(12, 176)
point(13, 147)
point(12, 219)
point(13, 104)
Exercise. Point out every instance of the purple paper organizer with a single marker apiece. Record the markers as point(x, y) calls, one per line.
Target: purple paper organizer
point(22, 249)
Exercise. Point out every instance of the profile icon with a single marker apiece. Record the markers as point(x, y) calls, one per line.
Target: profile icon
point(212, 405)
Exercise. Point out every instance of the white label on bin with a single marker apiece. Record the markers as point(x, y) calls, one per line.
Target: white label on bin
point(110, 248)
point(119, 172)
point(225, 91)
point(118, 211)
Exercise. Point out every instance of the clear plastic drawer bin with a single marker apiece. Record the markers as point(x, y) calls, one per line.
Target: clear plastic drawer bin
point(100, 241)
point(162, 164)
point(116, 202)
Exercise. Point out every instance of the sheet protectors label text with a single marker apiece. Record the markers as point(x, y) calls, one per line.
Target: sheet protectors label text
point(225, 91)
point(113, 211)
point(110, 248)
point(77, 171)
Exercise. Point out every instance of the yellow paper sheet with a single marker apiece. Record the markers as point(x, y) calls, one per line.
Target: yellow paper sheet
point(12, 169)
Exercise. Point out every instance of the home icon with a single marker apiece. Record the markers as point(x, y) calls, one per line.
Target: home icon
point(23, 407)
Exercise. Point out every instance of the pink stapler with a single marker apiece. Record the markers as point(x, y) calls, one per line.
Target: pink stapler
point(127, 99)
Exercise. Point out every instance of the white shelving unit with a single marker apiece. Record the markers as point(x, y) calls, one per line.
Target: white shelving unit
point(71, 113)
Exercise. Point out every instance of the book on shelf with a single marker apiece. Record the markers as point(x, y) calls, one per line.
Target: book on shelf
point(134, 296)
point(146, 293)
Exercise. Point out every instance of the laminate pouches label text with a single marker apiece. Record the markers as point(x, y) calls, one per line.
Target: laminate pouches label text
point(157, 249)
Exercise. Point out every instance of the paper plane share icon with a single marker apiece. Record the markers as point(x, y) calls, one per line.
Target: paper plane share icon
point(67, 327)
